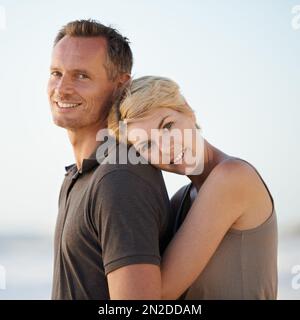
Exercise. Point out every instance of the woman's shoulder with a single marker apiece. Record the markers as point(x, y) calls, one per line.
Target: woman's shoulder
point(239, 171)
point(235, 180)
point(243, 181)
point(234, 171)
point(231, 172)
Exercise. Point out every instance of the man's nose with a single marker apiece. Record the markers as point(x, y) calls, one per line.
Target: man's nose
point(64, 86)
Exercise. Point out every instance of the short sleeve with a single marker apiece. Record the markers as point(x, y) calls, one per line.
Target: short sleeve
point(128, 220)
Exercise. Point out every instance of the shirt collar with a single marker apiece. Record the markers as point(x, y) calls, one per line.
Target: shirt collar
point(90, 163)
point(87, 164)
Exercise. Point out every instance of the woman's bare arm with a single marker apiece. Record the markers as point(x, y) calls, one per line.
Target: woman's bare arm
point(221, 200)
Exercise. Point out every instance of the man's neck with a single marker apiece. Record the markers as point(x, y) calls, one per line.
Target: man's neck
point(84, 142)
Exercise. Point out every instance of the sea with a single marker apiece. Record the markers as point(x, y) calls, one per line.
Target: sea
point(26, 264)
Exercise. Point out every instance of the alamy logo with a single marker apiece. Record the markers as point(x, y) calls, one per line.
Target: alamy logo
point(296, 19)
point(2, 278)
point(174, 148)
point(296, 278)
point(2, 18)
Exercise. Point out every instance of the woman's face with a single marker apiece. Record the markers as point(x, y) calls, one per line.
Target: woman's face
point(168, 139)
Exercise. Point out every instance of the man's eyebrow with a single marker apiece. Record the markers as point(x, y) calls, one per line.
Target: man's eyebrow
point(162, 121)
point(73, 70)
point(80, 71)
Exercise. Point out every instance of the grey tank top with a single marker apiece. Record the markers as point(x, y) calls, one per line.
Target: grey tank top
point(244, 266)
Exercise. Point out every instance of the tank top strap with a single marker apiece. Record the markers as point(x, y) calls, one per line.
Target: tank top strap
point(262, 180)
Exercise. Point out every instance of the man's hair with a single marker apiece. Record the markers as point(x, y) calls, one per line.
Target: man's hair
point(119, 58)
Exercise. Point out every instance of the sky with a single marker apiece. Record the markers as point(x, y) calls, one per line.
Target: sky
point(237, 63)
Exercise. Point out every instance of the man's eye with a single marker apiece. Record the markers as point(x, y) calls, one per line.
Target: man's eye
point(82, 76)
point(55, 74)
point(168, 125)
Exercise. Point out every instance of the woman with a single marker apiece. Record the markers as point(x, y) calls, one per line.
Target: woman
point(226, 244)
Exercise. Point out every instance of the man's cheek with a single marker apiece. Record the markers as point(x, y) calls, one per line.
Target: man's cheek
point(50, 88)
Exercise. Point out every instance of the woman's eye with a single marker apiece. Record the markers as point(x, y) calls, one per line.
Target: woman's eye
point(168, 125)
point(145, 146)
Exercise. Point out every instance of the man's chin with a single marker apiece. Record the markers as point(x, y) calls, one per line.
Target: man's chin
point(62, 123)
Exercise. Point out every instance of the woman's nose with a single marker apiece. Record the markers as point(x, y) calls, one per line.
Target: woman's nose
point(164, 145)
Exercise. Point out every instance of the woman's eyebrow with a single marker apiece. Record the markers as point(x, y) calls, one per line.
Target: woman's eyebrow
point(162, 121)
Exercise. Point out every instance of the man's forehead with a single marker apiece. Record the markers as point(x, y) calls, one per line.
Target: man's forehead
point(81, 48)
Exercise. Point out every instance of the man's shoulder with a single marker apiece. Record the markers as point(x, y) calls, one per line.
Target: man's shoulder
point(138, 184)
point(145, 172)
point(124, 158)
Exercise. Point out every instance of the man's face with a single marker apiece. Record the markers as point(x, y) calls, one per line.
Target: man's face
point(79, 90)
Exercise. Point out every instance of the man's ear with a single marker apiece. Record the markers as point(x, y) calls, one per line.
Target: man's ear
point(122, 83)
point(123, 79)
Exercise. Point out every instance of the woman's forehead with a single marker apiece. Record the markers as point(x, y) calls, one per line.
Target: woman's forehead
point(151, 120)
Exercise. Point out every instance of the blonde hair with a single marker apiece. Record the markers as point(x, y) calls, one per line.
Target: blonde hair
point(144, 95)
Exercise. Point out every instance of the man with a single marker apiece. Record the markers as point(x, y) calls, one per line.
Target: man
point(114, 221)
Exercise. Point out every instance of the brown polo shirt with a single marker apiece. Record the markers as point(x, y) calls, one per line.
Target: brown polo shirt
point(110, 216)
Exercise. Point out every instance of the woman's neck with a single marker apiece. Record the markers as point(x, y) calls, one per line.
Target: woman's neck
point(212, 157)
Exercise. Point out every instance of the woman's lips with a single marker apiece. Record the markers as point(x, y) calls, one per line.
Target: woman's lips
point(178, 158)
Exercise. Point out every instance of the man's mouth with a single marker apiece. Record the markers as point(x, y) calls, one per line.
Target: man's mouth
point(67, 105)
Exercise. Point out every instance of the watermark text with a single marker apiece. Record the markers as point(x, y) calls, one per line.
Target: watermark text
point(2, 18)
point(295, 23)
